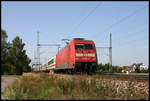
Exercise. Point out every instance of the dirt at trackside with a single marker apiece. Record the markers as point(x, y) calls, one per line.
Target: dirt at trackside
point(7, 80)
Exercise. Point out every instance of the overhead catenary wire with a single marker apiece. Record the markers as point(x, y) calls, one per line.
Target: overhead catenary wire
point(124, 18)
point(131, 41)
point(131, 34)
point(86, 16)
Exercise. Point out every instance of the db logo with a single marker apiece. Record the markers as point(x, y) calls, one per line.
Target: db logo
point(85, 55)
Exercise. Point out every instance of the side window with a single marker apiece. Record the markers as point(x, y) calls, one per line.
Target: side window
point(51, 61)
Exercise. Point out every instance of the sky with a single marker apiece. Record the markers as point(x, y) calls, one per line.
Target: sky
point(93, 20)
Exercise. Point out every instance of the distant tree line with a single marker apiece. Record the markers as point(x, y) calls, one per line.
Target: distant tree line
point(13, 56)
point(107, 68)
point(137, 70)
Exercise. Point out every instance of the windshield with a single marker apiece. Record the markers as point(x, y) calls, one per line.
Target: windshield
point(83, 46)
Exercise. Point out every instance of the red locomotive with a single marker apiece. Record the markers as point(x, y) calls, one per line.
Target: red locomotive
point(78, 56)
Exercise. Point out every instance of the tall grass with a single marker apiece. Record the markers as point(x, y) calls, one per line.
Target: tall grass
point(46, 87)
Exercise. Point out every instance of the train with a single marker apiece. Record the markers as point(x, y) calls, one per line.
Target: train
point(77, 56)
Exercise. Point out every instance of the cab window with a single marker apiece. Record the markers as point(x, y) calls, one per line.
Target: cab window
point(83, 46)
point(88, 46)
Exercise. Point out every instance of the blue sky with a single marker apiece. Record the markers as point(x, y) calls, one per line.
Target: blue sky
point(127, 21)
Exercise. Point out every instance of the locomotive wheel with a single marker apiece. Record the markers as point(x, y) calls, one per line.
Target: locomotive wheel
point(72, 71)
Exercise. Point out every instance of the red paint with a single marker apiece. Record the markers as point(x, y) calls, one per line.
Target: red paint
point(68, 54)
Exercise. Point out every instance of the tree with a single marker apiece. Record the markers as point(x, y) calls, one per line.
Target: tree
point(4, 50)
point(17, 58)
point(13, 57)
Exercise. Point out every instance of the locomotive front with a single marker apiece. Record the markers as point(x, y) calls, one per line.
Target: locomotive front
point(85, 56)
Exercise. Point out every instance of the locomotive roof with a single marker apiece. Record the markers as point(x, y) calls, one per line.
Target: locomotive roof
point(81, 39)
point(74, 39)
point(78, 39)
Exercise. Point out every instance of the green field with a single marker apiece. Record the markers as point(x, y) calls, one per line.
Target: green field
point(46, 87)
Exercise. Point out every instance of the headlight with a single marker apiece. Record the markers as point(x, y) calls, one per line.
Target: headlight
point(77, 58)
point(91, 55)
point(77, 54)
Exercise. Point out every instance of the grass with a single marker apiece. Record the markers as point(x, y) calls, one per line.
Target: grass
point(48, 87)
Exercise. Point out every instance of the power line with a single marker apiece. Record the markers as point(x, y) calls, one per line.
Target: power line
point(131, 41)
point(110, 50)
point(88, 15)
point(131, 34)
point(125, 18)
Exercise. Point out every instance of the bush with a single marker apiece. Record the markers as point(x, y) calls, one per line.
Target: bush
point(144, 71)
point(66, 86)
point(83, 85)
point(107, 68)
point(46, 87)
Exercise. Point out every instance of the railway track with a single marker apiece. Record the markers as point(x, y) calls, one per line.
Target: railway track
point(125, 76)
point(107, 76)
point(111, 76)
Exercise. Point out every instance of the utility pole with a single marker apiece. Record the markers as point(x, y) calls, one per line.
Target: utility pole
point(110, 51)
point(38, 46)
point(38, 51)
